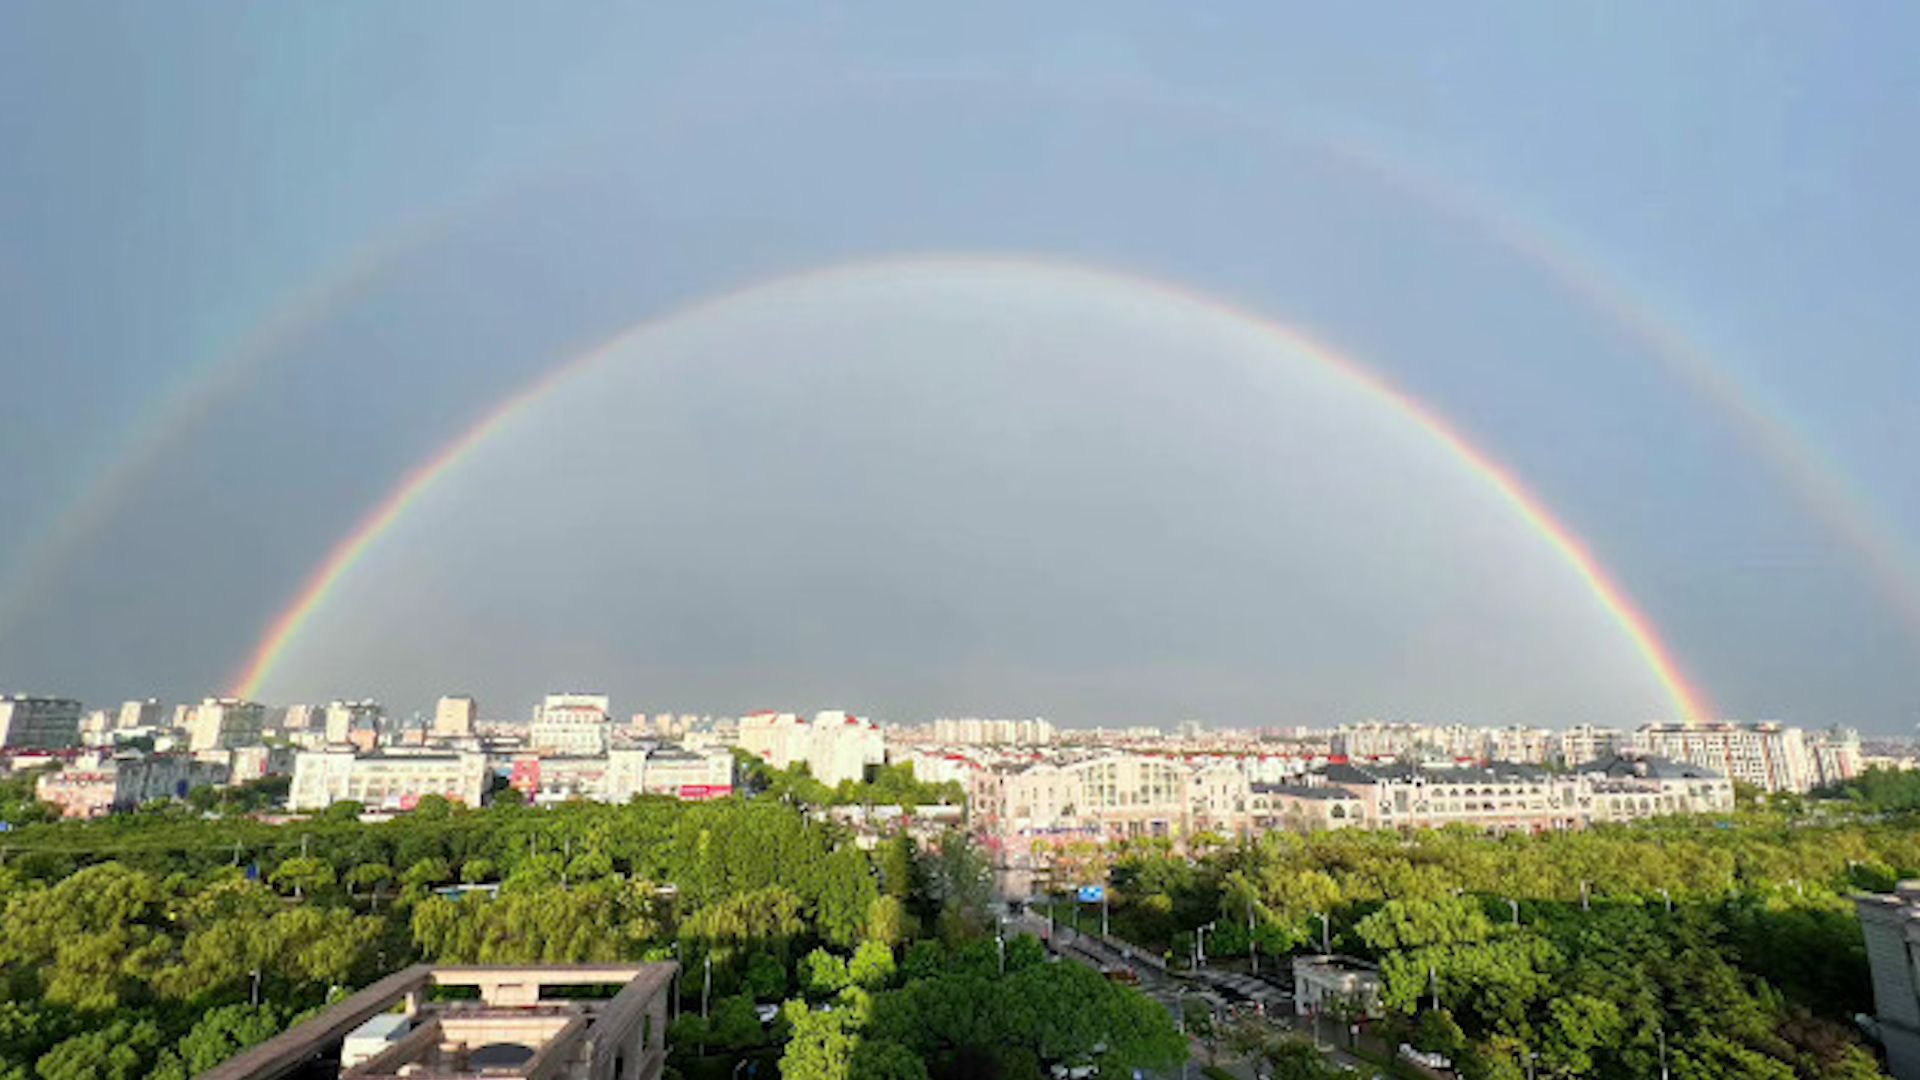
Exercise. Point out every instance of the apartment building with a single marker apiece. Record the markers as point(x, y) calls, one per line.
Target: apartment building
point(355, 723)
point(224, 723)
point(1836, 755)
point(835, 745)
point(974, 732)
point(1583, 743)
point(1770, 756)
point(453, 717)
point(38, 723)
point(1519, 744)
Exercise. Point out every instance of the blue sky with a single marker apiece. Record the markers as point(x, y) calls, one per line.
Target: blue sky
point(175, 175)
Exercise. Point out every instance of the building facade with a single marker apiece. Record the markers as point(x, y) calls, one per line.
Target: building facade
point(454, 716)
point(38, 723)
point(224, 723)
point(1771, 757)
point(385, 781)
point(94, 785)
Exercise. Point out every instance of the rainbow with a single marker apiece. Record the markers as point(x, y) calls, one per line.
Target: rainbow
point(1814, 478)
point(1685, 699)
point(195, 396)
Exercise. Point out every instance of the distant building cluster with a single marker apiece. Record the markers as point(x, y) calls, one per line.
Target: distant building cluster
point(1026, 781)
point(1770, 756)
point(835, 746)
point(1125, 795)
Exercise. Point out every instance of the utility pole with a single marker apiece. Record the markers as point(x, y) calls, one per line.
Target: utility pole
point(1253, 946)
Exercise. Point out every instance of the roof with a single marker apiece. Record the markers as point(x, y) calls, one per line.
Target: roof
point(1651, 768)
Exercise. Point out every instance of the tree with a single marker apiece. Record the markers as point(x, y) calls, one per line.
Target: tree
point(880, 1059)
point(767, 977)
point(119, 1051)
point(821, 1047)
point(872, 966)
point(217, 1036)
point(888, 922)
point(734, 1024)
point(822, 974)
point(846, 896)
point(302, 874)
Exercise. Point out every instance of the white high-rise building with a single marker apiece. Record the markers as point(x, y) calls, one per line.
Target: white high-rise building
point(1836, 756)
point(972, 732)
point(138, 714)
point(1583, 743)
point(224, 723)
point(1772, 757)
point(1520, 744)
point(835, 745)
point(356, 722)
point(302, 718)
point(453, 716)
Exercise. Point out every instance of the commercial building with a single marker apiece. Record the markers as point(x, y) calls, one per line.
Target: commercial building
point(385, 780)
point(453, 717)
point(38, 723)
point(224, 723)
point(571, 724)
point(623, 773)
point(97, 784)
point(511, 1030)
point(1891, 925)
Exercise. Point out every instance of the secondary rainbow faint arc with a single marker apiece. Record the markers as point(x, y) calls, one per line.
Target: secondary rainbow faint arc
point(1685, 698)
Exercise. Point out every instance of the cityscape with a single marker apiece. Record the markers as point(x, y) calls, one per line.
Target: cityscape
point(846, 541)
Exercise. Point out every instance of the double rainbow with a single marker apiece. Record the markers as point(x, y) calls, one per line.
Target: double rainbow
point(284, 628)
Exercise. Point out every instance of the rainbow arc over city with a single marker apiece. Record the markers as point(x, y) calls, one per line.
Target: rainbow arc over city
point(1686, 700)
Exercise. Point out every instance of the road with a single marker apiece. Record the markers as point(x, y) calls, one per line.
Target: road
point(1171, 989)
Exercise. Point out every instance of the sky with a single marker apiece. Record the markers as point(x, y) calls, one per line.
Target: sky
point(257, 263)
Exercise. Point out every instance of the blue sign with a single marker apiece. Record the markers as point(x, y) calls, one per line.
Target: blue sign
point(1092, 894)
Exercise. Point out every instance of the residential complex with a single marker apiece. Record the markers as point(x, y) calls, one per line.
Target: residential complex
point(836, 746)
point(223, 723)
point(95, 784)
point(38, 723)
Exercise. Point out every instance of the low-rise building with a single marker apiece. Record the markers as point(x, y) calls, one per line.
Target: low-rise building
point(1327, 985)
point(510, 1029)
point(385, 780)
point(97, 784)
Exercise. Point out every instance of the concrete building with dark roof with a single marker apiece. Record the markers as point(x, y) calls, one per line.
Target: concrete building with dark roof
point(515, 1030)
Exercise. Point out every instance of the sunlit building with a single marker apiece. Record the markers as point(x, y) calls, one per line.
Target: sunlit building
point(453, 717)
point(224, 723)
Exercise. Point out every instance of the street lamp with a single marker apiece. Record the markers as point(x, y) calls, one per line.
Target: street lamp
point(1661, 1032)
point(1326, 933)
point(1000, 942)
point(1253, 944)
point(1200, 945)
point(1515, 905)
